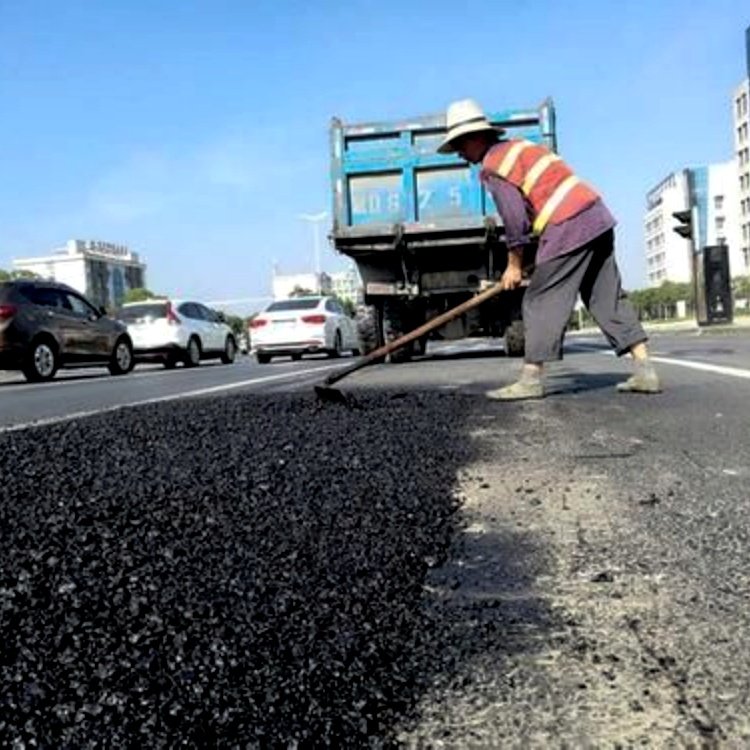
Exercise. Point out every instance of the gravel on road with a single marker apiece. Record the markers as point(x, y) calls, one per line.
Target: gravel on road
point(231, 571)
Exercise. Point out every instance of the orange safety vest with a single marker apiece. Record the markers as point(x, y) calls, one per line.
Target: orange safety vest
point(554, 192)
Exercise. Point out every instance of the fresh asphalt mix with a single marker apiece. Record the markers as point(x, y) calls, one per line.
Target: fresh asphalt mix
point(249, 567)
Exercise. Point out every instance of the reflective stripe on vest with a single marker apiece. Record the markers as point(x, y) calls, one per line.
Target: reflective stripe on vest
point(546, 181)
point(536, 172)
point(507, 164)
point(554, 201)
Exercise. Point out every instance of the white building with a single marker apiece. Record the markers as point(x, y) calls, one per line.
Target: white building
point(668, 256)
point(713, 192)
point(283, 285)
point(741, 116)
point(348, 285)
point(102, 271)
point(722, 220)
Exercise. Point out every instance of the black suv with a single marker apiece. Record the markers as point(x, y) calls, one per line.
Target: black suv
point(45, 325)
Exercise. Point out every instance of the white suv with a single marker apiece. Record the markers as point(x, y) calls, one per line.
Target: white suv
point(172, 331)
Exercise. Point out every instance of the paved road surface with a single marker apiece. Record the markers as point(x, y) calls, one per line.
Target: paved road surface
point(590, 591)
point(90, 391)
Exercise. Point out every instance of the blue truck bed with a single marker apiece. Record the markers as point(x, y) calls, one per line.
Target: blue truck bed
point(422, 230)
point(388, 179)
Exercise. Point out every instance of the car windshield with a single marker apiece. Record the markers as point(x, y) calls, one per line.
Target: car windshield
point(294, 304)
point(131, 313)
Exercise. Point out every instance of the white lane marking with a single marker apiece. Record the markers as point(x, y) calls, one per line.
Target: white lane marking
point(465, 345)
point(735, 372)
point(160, 399)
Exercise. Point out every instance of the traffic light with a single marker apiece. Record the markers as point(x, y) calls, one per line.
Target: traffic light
point(685, 227)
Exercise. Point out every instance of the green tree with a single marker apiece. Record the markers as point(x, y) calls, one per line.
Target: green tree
point(17, 273)
point(671, 292)
point(741, 287)
point(661, 301)
point(349, 307)
point(139, 294)
point(300, 291)
point(235, 322)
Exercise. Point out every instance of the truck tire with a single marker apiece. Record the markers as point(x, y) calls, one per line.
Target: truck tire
point(515, 339)
point(398, 319)
point(368, 329)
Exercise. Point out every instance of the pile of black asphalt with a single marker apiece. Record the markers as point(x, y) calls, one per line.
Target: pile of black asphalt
point(235, 571)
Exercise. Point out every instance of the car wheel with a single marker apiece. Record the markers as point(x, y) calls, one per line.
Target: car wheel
point(230, 351)
point(296, 357)
point(170, 362)
point(263, 359)
point(121, 361)
point(193, 353)
point(336, 351)
point(42, 361)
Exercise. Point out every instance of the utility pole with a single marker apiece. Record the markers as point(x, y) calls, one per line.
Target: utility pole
point(315, 220)
point(688, 228)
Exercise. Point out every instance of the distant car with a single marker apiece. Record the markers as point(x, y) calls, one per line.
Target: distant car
point(45, 325)
point(303, 325)
point(171, 331)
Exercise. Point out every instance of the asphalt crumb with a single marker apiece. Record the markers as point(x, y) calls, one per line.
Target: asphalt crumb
point(237, 571)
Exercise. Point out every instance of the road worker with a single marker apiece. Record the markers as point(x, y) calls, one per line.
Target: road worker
point(539, 198)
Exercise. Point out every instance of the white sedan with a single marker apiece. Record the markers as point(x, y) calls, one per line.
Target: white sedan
point(303, 325)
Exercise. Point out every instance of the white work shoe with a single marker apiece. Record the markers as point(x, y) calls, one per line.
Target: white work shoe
point(643, 380)
point(518, 391)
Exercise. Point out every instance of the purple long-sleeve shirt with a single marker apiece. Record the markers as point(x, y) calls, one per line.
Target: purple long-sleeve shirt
point(556, 239)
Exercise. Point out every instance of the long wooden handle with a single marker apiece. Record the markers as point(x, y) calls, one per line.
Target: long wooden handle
point(417, 333)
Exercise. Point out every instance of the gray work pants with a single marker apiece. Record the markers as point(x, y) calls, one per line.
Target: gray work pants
point(550, 298)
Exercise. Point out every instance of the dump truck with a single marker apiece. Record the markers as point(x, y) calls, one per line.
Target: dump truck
point(424, 233)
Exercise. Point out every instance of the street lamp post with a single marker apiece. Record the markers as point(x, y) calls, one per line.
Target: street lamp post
point(315, 221)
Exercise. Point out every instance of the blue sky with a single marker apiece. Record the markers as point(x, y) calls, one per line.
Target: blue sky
point(196, 133)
